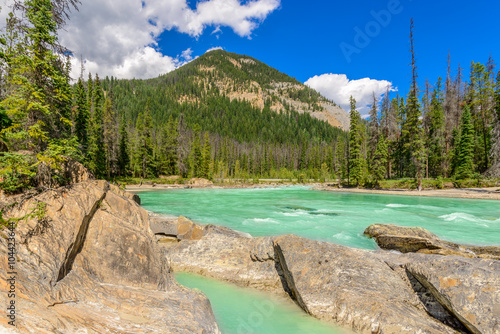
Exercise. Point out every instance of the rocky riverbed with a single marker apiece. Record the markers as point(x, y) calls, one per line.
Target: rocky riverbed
point(366, 291)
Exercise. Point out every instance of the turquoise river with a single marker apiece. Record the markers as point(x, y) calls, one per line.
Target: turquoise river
point(327, 216)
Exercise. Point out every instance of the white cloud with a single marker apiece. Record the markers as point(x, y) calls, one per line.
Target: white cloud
point(217, 30)
point(120, 37)
point(187, 55)
point(143, 63)
point(215, 48)
point(339, 88)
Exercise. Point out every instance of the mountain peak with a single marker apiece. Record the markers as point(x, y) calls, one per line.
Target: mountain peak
point(242, 77)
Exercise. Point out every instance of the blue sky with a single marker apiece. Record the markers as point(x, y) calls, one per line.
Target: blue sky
point(146, 38)
point(304, 39)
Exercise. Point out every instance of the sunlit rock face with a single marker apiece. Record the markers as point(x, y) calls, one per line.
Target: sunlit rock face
point(88, 261)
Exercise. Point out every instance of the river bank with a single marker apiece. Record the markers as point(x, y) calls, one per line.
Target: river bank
point(471, 193)
point(492, 193)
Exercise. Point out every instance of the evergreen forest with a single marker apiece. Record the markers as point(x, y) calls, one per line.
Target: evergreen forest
point(187, 123)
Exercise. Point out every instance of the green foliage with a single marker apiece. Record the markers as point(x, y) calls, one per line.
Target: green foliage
point(436, 135)
point(357, 162)
point(58, 151)
point(480, 94)
point(82, 117)
point(144, 162)
point(16, 171)
point(123, 151)
point(5, 121)
point(96, 150)
point(38, 97)
point(379, 162)
point(110, 138)
point(206, 158)
point(169, 146)
point(38, 212)
point(413, 136)
point(465, 147)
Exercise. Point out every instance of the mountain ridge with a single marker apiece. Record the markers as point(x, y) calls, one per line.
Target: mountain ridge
point(244, 78)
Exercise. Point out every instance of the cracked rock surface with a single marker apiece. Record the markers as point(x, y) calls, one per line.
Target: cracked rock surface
point(92, 264)
point(365, 291)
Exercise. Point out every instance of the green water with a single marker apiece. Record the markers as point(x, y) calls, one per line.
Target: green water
point(335, 217)
point(330, 216)
point(244, 311)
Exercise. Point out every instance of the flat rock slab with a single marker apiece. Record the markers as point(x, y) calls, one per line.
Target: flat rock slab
point(352, 288)
point(226, 255)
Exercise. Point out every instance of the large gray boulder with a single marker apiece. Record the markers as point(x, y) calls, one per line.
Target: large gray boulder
point(417, 239)
point(87, 261)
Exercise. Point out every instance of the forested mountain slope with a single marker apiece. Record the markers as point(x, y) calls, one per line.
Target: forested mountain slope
point(242, 78)
point(220, 112)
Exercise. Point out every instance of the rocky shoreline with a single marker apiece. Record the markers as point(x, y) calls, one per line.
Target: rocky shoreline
point(471, 193)
point(89, 263)
point(89, 258)
point(366, 291)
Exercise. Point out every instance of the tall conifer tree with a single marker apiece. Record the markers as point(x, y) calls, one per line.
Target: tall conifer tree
point(413, 132)
point(436, 135)
point(356, 160)
point(465, 147)
point(123, 150)
point(97, 154)
point(82, 118)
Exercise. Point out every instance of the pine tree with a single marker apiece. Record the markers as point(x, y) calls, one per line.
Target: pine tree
point(303, 160)
point(82, 118)
point(465, 147)
point(109, 138)
point(356, 160)
point(389, 127)
point(38, 95)
point(170, 147)
point(413, 134)
point(145, 161)
point(379, 161)
point(373, 128)
point(480, 95)
point(206, 159)
point(90, 92)
point(96, 152)
point(123, 150)
point(196, 155)
point(436, 135)
point(495, 134)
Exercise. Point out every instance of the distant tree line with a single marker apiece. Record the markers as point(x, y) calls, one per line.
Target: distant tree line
point(452, 131)
point(183, 124)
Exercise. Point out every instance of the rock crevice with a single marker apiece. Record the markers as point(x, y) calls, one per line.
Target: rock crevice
point(434, 306)
point(287, 278)
point(111, 275)
point(76, 247)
